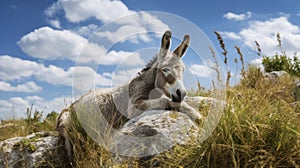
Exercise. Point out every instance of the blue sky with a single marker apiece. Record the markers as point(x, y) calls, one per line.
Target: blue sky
point(44, 43)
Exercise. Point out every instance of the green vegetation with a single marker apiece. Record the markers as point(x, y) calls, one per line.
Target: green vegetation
point(33, 123)
point(282, 63)
point(259, 127)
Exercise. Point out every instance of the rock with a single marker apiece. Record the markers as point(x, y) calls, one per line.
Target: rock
point(34, 150)
point(153, 132)
point(156, 131)
point(275, 74)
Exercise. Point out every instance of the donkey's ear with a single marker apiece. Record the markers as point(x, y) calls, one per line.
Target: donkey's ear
point(180, 50)
point(165, 43)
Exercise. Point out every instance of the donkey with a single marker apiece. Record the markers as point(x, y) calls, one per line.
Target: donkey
point(159, 86)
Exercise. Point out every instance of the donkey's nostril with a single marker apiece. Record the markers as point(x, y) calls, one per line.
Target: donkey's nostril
point(178, 92)
point(179, 96)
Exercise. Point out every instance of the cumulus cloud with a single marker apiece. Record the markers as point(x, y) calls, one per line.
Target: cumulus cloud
point(87, 31)
point(28, 87)
point(122, 58)
point(107, 11)
point(122, 76)
point(49, 44)
point(55, 23)
point(265, 33)
point(12, 68)
point(131, 32)
point(85, 78)
point(15, 107)
point(134, 28)
point(237, 17)
point(77, 10)
point(231, 35)
point(16, 68)
point(200, 70)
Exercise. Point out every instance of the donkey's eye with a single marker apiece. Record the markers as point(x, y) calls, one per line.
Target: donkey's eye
point(166, 69)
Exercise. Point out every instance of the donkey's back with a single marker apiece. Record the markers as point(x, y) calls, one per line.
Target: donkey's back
point(93, 111)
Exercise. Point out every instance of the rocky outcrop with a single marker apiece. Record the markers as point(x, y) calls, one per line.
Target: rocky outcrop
point(153, 132)
point(150, 133)
point(275, 74)
point(35, 150)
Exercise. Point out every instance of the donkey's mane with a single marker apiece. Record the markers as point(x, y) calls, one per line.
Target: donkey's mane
point(148, 65)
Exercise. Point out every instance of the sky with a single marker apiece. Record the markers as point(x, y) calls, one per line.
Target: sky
point(52, 51)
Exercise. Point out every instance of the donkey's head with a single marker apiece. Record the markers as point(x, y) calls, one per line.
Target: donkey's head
point(169, 77)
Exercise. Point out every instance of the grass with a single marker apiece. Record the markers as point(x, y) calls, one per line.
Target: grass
point(259, 128)
point(22, 127)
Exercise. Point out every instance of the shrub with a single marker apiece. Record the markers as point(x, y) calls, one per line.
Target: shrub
point(282, 63)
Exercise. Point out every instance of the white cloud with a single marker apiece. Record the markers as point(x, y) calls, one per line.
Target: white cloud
point(34, 99)
point(77, 10)
point(53, 9)
point(55, 23)
point(15, 107)
point(47, 43)
point(231, 35)
point(88, 30)
point(200, 70)
point(15, 68)
point(86, 78)
point(91, 53)
point(123, 76)
point(122, 58)
point(256, 61)
point(84, 75)
point(135, 28)
point(237, 17)
point(107, 11)
point(126, 32)
point(28, 87)
point(265, 33)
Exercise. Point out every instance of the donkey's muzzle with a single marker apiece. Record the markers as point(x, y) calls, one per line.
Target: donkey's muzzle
point(179, 96)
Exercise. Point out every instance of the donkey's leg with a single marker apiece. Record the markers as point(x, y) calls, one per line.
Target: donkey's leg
point(152, 104)
point(140, 106)
point(164, 103)
point(61, 126)
point(187, 109)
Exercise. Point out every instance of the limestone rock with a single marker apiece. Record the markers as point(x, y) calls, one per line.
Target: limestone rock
point(153, 132)
point(34, 150)
point(275, 74)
